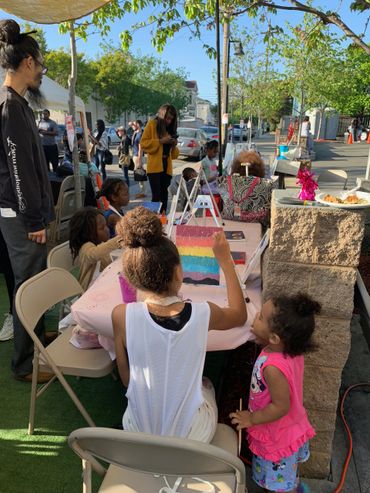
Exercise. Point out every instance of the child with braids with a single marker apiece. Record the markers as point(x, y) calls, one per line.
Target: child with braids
point(90, 244)
point(161, 342)
point(116, 191)
point(277, 425)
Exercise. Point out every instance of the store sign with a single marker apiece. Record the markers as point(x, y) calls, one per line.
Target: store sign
point(225, 119)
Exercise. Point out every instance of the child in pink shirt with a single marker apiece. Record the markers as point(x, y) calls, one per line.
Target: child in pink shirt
point(278, 429)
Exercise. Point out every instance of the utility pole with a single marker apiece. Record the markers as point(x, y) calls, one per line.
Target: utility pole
point(225, 77)
point(220, 167)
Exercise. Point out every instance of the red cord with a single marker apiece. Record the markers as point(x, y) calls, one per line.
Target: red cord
point(343, 476)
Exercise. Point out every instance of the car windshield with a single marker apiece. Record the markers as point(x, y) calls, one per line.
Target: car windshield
point(186, 132)
point(210, 130)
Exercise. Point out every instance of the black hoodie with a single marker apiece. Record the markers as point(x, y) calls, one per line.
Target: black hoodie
point(24, 181)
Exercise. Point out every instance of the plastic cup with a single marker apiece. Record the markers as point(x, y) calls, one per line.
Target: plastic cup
point(128, 291)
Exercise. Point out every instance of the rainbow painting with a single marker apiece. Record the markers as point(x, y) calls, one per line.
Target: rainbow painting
point(198, 261)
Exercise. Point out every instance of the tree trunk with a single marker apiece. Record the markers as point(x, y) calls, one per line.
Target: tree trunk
point(72, 111)
point(320, 123)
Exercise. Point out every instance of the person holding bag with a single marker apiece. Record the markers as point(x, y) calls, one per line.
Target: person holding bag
point(137, 156)
point(159, 142)
point(100, 140)
point(124, 158)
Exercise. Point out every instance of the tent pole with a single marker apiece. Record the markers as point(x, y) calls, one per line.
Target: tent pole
point(72, 111)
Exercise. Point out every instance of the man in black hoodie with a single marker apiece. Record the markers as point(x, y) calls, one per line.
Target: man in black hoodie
point(26, 205)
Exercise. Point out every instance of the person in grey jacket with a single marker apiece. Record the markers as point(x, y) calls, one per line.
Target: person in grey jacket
point(26, 203)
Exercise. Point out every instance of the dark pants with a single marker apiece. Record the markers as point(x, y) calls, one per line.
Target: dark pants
point(27, 259)
point(52, 156)
point(100, 162)
point(6, 269)
point(125, 174)
point(159, 183)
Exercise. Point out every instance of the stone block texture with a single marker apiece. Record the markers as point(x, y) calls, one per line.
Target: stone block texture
point(316, 251)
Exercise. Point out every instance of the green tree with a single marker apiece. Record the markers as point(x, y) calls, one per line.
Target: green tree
point(170, 18)
point(59, 67)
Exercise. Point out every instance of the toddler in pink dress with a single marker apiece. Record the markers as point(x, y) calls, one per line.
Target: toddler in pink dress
point(278, 429)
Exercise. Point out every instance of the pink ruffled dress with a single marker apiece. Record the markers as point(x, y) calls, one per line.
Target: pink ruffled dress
point(283, 437)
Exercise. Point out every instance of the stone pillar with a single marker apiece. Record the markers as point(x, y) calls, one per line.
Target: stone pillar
point(316, 250)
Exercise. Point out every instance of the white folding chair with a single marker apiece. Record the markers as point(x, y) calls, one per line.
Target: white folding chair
point(140, 463)
point(332, 178)
point(33, 299)
point(61, 256)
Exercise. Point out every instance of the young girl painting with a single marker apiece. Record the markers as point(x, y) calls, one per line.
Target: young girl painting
point(161, 342)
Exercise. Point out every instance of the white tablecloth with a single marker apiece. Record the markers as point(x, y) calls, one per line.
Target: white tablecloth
point(93, 310)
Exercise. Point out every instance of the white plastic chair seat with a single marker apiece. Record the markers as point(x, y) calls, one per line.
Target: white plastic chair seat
point(91, 363)
point(119, 480)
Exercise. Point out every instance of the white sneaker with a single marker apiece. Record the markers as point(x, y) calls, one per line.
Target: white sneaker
point(7, 331)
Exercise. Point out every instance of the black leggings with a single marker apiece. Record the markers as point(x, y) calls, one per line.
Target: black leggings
point(159, 183)
point(6, 269)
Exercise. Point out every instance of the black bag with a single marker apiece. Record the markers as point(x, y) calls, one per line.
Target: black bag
point(108, 157)
point(140, 174)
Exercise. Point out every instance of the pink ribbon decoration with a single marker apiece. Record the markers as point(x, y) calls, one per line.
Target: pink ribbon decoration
point(305, 178)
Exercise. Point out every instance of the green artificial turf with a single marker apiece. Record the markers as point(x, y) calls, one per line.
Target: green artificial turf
point(43, 462)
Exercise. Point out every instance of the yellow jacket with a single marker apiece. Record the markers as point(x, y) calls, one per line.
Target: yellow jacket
point(151, 146)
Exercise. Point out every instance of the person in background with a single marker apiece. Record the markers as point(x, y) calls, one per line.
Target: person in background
point(137, 154)
point(354, 128)
point(209, 164)
point(124, 157)
point(159, 142)
point(48, 130)
point(116, 191)
point(90, 244)
point(161, 342)
point(306, 133)
point(100, 140)
point(67, 158)
point(26, 200)
point(189, 175)
point(277, 425)
point(130, 130)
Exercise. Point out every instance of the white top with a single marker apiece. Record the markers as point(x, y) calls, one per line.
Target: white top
point(305, 129)
point(103, 141)
point(166, 367)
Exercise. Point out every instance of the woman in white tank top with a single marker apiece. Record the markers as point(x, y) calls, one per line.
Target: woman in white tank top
point(161, 342)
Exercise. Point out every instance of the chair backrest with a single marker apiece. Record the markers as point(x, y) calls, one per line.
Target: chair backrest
point(154, 454)
point(68, 204)
point(39, 293)
point(61, 256)
point(332, 178)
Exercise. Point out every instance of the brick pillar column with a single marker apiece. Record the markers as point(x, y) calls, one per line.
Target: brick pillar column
point(316, 250)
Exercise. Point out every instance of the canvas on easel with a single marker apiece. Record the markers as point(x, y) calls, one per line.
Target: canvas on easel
point(199, 264)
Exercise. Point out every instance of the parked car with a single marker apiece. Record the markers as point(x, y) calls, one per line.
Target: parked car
point(112, 136)
point(211, 132)
point(191, 142)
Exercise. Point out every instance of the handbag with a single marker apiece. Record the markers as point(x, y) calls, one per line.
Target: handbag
point(246, 198)
point(108, 157)
point(124, 159)
point(140, 174)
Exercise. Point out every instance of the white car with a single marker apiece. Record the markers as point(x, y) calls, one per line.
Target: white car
point(112, 136)
point(191, 142)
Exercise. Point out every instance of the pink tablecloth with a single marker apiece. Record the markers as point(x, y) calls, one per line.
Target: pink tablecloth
point(93, 310)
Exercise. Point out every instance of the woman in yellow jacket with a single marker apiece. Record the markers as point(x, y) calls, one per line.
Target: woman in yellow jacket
point(159, 142)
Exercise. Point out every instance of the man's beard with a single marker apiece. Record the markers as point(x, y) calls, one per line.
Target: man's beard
point(35, 97)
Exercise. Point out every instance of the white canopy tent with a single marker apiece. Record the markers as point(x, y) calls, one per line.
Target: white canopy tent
point(51, 11)
point(56, 96)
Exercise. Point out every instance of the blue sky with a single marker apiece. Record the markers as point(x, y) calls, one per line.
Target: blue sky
point(182, 51)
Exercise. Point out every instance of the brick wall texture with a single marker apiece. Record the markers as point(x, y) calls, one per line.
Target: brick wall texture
point(316, 251)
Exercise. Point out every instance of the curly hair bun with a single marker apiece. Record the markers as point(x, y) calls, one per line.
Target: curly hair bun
point(9, 31)
point(306, 306)
point(140, 228)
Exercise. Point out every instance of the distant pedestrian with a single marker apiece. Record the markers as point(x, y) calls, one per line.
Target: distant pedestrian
point(306, 133)
point(124, 157)
point(48, 130)
point(354, 128)
point(100, 140)
point(137, 154)
point(159, 142)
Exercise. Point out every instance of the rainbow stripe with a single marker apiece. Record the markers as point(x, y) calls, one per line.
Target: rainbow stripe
point(198, 261)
